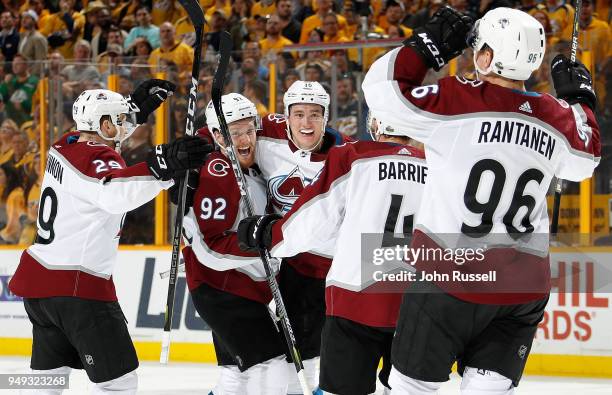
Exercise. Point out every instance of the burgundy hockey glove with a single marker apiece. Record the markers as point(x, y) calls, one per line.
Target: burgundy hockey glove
point(573, 82)
point(182, 154)
point(442, 38)
point(255, 232)
point(149, 95)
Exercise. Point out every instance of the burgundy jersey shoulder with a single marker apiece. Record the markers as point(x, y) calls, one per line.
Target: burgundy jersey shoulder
point(90, 158)
point(352, 151)
point(274, 126)
point(217, 169)
point(205, 134)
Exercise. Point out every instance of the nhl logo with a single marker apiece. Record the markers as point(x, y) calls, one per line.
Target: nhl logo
point(522, 351)
point(89, 359)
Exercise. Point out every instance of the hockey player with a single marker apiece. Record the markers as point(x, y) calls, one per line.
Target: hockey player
point(329, 216)
point(492, 149)
point(291, 151)
point(65, 277)
point(228, 286)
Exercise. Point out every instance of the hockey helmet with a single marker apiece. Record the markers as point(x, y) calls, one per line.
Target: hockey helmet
point(516, 38)
point(93, 104)
point(306, 92)
point(235, 107)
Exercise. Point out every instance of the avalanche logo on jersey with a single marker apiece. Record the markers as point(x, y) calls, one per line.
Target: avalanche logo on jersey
point(285, 189)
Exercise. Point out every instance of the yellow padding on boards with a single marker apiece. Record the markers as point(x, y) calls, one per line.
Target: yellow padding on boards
point(537, 364)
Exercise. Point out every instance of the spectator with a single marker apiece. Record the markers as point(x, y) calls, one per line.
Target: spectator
point(7, 130)
point(462, 6)
point(290, 78)
point(252, 49)
point(140, 71)
point(247, 73)
point(141, 49)
point(290, 27)
point(527, 5)
point(64, 28)
point(126, 86)
point(395, 12)
point(165, 11)
point(179, 117)
point(274, 40)
point(218, 23)
point(394, 31)
point(32, 44)
point(12, 204)
point(256, 91)
point(9, 37)
point(17, 91)
point(32, 194)
point(92, 19)
point(316, 20)
point(263, 8)
point(80, 72)
point(424, 14)
point(116, 36)
point(22, 156)
point(541, 15)
point(56, 64)
point(348, 107)
point(224, 6)
point(331, 29)
point(139, 224)
point(257, 31)
point(561, 17)
point(99, 41)
point(595, 37)
point(488, 5)
point(178, 52)
point(110, 62)
point(39, 8)
point(313, 72)
point(143, 29)
point(240, 22)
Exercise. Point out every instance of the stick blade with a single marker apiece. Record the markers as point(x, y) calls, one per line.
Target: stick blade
point(194, 11)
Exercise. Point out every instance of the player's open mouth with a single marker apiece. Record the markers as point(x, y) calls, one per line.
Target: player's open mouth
point(307, 132)
point(244, 151)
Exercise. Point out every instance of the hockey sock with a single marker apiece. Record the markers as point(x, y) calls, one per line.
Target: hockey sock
point(123, 385)
point(485, 382)
point(311, 371)
point(268, 378)
point(401, 384)
point(60, 370)
point(231, 381)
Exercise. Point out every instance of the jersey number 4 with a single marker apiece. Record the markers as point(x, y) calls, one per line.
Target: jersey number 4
point(390, 239)
point(48, 197)
point(487, 209)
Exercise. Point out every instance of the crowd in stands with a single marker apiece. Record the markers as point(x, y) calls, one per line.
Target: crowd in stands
point(77, 44)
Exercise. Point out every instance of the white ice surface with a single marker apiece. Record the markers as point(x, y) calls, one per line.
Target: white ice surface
point(191, 378)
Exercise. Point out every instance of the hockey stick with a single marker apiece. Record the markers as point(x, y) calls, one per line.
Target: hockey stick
point(194, 11)
point(554, 227)
point(217, 92)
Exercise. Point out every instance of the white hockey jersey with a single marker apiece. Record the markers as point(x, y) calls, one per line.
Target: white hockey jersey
point(492, 153)
point(214, 257)
point(85, 193)
point(287, 171)
point(368, 191)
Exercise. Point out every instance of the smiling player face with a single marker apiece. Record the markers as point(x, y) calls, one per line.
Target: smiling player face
point(306, 124)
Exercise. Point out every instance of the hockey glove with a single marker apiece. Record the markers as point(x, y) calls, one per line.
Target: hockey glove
point(185, 153)
point(255, 232)
point(573, 82)
point(442, 38)
point(149, 95)
point(193, 181)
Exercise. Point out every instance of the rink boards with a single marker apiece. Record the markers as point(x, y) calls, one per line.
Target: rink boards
point(574, 339)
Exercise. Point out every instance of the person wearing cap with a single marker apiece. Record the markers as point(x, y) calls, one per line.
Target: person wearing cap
point(316, 20)
point(274, 40)
point(32, 44)
point(170, 49)
point(112, 56)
